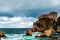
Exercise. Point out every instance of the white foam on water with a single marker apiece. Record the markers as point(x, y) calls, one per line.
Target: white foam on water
point(21, 37)
point(13, 37)
point(17, 37)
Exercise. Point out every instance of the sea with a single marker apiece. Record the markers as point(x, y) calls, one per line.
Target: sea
point(19, 34)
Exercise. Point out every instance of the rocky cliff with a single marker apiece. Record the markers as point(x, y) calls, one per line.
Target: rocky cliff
point(47, 23)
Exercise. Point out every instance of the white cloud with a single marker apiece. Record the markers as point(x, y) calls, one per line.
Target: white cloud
point(16, 22)
point(56, 2)
point(20, 7)
point(15, 19)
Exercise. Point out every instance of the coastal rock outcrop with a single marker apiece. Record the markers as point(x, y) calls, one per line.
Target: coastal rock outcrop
point(35, 27)
point(52, 15)
point(47, 33)
point(29, 33)
point(2, 34)
point(47, 24)
point(45, 21)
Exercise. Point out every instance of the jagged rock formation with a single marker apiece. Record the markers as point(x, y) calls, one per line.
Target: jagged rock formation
point(35, 27)
point(47, 23)
point(51, 15)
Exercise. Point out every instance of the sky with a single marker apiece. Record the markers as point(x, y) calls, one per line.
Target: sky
point(22, 13)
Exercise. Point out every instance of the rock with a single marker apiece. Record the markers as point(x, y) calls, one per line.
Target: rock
point(47, 33)
point(29, 33)
point(58, 25)
point(2, 34)
point(52, 15)
point(36, 28)
point(47, 24)
point(58, 20)
point(44, 22)
point(58, 29)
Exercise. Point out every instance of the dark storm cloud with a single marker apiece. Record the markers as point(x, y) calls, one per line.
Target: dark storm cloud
point(27, 8)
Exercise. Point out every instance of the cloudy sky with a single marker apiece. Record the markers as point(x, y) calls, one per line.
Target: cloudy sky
point(22, 13)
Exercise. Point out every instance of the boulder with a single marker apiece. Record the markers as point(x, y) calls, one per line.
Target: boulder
point(2, 34)
point(29, 33)
point(47, 33)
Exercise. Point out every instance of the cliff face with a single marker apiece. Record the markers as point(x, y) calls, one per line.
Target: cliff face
point(47, 23)
point(51, 15)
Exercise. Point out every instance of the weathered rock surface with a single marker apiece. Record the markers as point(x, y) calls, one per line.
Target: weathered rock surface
point(52, 15)
point(58, 25)
point(35, 28)
point(29, 33)
point(46, 23)
point(47, 33)
point(2, 34)
point(58, 29)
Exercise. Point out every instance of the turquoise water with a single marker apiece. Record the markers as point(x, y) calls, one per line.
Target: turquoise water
point(19, 34)
point(22, 37)
point(14, 30)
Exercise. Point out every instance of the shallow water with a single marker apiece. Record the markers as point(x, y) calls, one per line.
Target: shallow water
point(22, 37)
point(18, 34)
